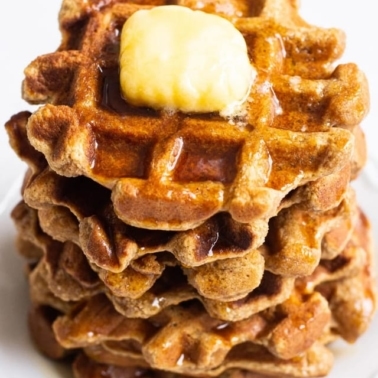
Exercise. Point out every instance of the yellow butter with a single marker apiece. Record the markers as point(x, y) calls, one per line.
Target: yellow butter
point(176, 58)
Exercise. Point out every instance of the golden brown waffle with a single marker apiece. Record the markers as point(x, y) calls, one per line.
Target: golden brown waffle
point(295, 243)
point(272, 290)
point(116, 250)
point(85, 367)
point(186, 340)
point(84, 198)
point(190, 353)
point(180, 170)
point(356, 296)
point(65, 205)
point(66, 273)
point(126, 351)
point(322, 194)
point(175, 244)
point(61, 263)
point(64, 270)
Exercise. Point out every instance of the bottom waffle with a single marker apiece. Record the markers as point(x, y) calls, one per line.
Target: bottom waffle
point(285, 340)
point(84, 367)
point(314, 363)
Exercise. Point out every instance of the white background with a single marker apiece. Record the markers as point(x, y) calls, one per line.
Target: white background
point(29, 28)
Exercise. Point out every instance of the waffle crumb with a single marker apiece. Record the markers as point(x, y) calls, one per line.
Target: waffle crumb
point(169, 60)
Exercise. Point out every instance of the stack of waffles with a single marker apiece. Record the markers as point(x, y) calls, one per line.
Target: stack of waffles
point(162, 244)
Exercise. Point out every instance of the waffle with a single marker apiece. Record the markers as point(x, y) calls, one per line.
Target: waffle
point(272, 290)
point(65, 270)
point(321, 194)
point(85, 367)
point(205, 342)
point(67, 205)
point(66, 214)
point(79, 210)
point(76, 203)
point(69, 276)
point(184, 339)
point(162, 243)
point(311, 234)
point(180, 170)
point(346, 298)
point(140, 291)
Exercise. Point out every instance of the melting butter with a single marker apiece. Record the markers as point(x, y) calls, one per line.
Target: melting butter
point(178, 59)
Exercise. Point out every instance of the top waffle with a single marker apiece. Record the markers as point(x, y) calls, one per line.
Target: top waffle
point(174, 171)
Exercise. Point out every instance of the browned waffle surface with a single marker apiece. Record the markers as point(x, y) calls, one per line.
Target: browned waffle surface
point(187, 341)
point(356, 296)
point(283, 340)
point(321, 194)
point(144, 288)
point(87, 367)
point(169, 244)
point(137, 271)
point(175, 171)
point(79, 210)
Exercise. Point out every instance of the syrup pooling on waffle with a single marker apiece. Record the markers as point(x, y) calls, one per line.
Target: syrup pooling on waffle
point(172, 171)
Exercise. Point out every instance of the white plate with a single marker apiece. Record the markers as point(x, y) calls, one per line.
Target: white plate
point(29, 28)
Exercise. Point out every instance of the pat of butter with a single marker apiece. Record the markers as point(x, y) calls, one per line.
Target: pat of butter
point(175, 58)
